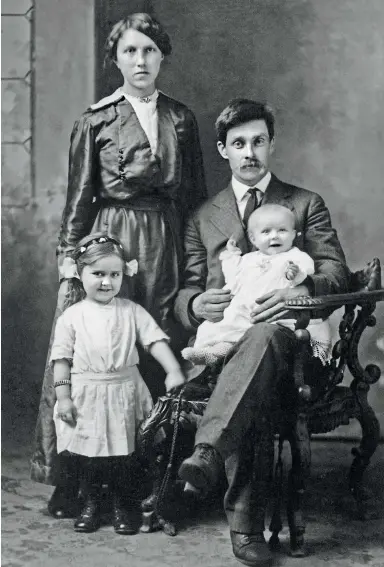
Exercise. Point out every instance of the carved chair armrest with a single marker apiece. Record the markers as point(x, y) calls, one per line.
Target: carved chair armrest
point(346, 349)
point(306, 303)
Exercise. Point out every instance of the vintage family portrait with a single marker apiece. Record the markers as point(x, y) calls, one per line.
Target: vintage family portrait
point(192, 286)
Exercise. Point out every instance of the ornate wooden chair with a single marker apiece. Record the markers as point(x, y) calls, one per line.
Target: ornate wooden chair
point(175, 418)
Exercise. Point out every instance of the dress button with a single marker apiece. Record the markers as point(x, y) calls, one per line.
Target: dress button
point(121, 151)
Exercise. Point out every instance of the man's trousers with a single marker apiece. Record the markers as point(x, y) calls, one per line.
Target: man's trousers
point(253, 384)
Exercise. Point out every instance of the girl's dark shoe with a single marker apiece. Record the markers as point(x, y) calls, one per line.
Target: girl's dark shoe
point(89, 518)
point(63, 503)
point(122, 519)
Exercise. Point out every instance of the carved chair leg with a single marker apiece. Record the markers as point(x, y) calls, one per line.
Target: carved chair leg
point(151, 508)
point(276, 524)
point(369, 442)
point(298, 475)
point(160, 465)
point(149, 517)
point(262, 473)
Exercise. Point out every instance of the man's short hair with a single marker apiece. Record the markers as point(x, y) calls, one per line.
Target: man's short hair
point(242, 110)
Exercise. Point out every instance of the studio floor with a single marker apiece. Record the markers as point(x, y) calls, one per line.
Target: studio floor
point(335, 536)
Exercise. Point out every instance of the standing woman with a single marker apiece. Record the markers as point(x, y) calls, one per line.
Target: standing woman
point(135, 172)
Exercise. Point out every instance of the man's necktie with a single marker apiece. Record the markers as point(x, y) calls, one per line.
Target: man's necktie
point(255, 196)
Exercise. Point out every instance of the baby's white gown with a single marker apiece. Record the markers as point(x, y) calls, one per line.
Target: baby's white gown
point(249, 277)
point(110, 396)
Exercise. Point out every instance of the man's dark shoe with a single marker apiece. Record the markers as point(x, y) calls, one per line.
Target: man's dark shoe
point(203, 468)
point(250, 549)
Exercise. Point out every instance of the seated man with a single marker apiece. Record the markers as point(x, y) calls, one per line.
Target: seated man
point(257, 376)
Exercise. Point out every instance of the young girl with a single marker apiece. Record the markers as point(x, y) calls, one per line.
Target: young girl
point(101, 396)
point(276, 264)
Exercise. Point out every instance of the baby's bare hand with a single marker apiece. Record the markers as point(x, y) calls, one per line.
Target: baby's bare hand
point(292, 271)
point(232, 245)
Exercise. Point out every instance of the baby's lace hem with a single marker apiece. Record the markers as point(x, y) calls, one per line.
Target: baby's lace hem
point(212, 354)
point(321, 350)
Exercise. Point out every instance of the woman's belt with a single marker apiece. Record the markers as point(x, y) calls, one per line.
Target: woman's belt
point(154, 202)
point(151, 202)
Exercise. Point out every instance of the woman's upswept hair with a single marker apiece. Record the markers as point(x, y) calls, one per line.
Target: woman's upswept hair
point(143, 23)
point(93, 251)
point(242, 110)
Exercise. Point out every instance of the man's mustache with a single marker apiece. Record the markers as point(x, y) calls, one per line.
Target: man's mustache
point(252, 163)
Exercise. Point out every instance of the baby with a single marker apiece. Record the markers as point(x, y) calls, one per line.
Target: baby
point(276, 264)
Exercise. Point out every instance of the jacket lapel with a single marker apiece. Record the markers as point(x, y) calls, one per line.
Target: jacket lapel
point(282, 194)
point(225, 216)
point(278, 193)
point(167, 142)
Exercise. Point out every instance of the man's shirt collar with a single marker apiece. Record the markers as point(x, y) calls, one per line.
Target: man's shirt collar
point(240, 189)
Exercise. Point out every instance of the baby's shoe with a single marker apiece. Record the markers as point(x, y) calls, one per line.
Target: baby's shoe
point(192, 491)
point(209, 356)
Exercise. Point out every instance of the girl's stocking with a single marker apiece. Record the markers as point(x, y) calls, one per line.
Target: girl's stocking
point(122, 502)
point(64, 502)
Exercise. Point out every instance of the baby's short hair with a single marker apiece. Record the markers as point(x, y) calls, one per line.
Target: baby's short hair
point(271, 207)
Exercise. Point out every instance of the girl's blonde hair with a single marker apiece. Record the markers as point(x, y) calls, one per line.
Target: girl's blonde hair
point(87, 251)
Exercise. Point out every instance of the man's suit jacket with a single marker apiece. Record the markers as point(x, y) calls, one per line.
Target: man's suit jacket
point(217, 220)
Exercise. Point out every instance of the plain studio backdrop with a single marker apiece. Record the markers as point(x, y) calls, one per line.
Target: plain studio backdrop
point(319, 64)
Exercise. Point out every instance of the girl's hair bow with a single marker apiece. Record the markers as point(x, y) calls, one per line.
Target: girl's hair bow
point(68, 269)
point(130, 268)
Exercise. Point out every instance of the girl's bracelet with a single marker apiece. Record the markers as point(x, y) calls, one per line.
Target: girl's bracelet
point(62, 383)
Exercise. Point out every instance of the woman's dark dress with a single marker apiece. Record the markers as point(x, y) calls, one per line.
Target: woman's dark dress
point(117, 185)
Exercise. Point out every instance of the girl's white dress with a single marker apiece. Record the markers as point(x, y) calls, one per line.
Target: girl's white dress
point(249, 277)
point(110, 396)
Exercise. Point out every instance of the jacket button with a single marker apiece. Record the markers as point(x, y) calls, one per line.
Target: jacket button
point(121, 151)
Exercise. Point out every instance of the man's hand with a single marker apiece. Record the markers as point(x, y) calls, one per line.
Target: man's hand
point(66, 411)
point(270, 307)
point(211, 304)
